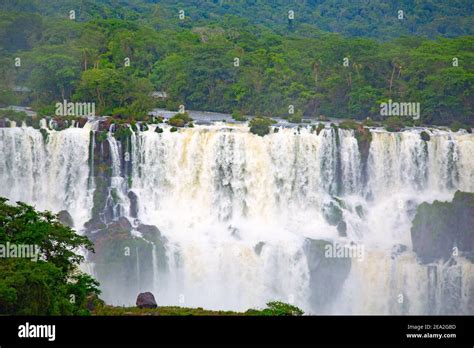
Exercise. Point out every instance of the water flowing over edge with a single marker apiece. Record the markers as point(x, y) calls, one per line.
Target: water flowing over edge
point(237, 210)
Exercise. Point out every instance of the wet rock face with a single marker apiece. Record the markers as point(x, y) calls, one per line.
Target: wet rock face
point(65, 218)
point(327, 274)
point(258, 248)
point(127, 259)
point(441, 229)
point(342, 229)
point(146, 300)
point(132, 196)
point(332, 212)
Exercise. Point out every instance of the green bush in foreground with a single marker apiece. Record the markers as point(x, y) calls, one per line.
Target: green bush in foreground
point(51, 283)
point(277, 308)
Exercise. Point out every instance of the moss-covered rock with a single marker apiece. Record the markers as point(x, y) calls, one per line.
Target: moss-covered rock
point(153, 235)
point(349, 124)
point(122, 132)
point(65, 218)
point(260, 125)
point(332, 212)
point(456, 126)
point(320, 127)
point(123, 261)
point(425, 136)
point(440, 227)
point(180, 120)
point(393, 124)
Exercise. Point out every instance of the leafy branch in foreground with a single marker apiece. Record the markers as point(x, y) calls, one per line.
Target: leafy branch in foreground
point(48, 283)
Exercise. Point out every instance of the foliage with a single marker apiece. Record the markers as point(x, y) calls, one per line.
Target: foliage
point(123, 132)
point(320, 127)
point(349, 124)
point(47, 285)
point(273, 309)
point(456, 126)
point(260, 125)
point(180, 120)
point(12, 115)
point(277, 308)
point(280, 65)
point(425, 136)
point(237, 116)
point(393, 124)
point(297, 117)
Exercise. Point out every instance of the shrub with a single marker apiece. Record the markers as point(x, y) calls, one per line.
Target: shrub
point(12, 115)
point(296, 118)
point(349, 124)
point(277, 308)
point(237, 116)
point(260, 125)
point(320, 128)
point(368, 122)
point(425, 136)
point(179, 120)
point(123, 132)
point(176, 122)
point(456, 126)
point(173, 129)
point(393, 124)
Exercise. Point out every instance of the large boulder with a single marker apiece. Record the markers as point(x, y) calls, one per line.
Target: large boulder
point(119, 230)
point(65, 218)
point(94, 224)
point(146, 300)
point(443, 228)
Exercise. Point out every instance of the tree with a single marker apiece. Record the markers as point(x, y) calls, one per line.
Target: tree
point(52, 284)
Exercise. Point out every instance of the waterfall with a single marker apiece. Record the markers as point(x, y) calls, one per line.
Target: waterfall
point(236, 209)
point(49, 169)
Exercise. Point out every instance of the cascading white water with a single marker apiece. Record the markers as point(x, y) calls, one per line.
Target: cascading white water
point(118, 182)
point(236, 208)
point(51, 174)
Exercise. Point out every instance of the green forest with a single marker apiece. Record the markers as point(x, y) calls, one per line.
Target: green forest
point(332, 59)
